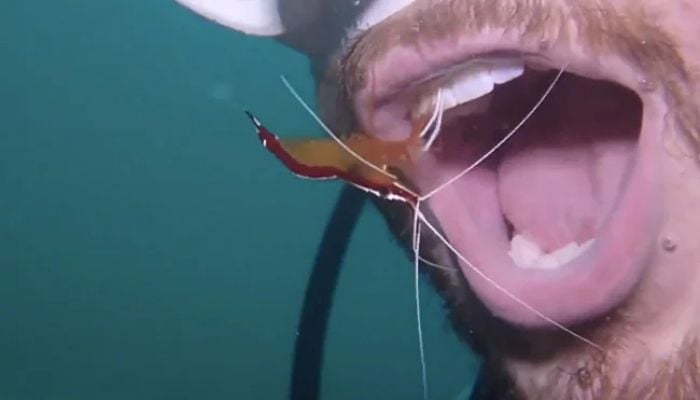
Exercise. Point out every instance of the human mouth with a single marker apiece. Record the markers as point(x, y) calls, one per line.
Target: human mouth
point(564, 216)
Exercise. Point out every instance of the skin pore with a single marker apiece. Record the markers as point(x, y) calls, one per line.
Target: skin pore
point(650, 340)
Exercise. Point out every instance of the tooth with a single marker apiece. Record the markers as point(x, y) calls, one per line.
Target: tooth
point(475, 80)
point(587, 244)
point(470, 85)
point(524, 252)
point(566, 253)
point(527, 254)
point(506, 70)
point(547, 261)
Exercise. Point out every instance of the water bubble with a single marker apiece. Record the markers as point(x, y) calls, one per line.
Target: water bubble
point(647, 85)
point(416, 26)
point(221, 91)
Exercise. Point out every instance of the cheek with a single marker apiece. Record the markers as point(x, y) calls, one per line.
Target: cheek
point(670, 291)
point(679, 239)
point(679, 19)
point(682, 197)
point(333, 107)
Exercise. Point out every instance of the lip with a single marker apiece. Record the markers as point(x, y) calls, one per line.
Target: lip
point(596, 281)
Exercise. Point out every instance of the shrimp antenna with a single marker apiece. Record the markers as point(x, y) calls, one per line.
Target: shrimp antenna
point(416, 260)
point(436, 265)
point(438, 124)
point(329, 131)
point(503, 140)
point(438, 105)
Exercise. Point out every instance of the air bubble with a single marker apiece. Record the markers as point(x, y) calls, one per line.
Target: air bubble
point(417, 25)
point(647, 85)
point(221, 92)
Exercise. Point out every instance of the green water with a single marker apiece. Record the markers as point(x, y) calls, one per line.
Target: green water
point(150, 248)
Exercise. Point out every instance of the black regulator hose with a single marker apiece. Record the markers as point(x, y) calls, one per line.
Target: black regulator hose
point(307, 364)
point(318, 299)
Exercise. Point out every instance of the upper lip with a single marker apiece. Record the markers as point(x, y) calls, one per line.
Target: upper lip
point(380, 112)
point(382, 64)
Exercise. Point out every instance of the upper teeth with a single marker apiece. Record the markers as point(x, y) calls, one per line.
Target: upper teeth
point(527, 254)
point(476, 79)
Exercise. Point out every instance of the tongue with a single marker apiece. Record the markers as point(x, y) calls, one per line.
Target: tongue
point(559, 176)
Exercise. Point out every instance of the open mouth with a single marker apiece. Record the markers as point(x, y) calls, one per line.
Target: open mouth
point(564, 215)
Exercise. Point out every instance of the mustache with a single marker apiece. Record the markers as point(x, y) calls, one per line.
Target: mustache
point(596, 27)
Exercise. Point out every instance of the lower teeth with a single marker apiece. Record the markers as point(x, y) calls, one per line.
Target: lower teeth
point(527, 254)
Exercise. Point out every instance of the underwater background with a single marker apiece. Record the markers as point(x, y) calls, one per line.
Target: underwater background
point(150, 248)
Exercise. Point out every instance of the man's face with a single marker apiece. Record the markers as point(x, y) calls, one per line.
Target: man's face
point(585, 218)
point(586, 215)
